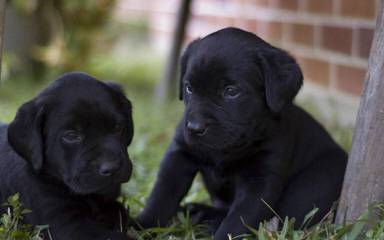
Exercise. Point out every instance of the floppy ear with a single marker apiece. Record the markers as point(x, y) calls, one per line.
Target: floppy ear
point(130, 131)
point(282, 78)
point(130, 128)
point(184, 63)
point(127, 108)
point(25, 134)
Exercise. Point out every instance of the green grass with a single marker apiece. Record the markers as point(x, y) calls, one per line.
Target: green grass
point(11, 226)
point(154, 127)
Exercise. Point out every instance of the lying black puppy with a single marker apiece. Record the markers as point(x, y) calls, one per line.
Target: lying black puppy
point(65, 153)
point(251, 144)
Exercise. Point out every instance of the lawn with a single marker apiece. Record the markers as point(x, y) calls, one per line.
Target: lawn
point(154, 126)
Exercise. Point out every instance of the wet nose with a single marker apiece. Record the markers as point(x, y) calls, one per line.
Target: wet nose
point(197, 127)
point(107, 169)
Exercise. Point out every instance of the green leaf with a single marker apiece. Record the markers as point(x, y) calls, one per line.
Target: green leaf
point(358, 226)
point(309, 217)
point(284, 230)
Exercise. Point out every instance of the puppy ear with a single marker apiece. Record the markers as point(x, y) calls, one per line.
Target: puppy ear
point(25, 134)
point(116, 87)
point(283, 78)
point(184, 64)
point(130, 130)
point(127, 109)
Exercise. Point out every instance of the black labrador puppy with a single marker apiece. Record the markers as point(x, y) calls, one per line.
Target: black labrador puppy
point(251, 144)
point(65, 153)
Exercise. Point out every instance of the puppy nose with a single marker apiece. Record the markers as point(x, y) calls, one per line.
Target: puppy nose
point(108, 169)
point(196, 127)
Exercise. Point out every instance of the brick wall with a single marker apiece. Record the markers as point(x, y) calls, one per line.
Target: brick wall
point(330, 39)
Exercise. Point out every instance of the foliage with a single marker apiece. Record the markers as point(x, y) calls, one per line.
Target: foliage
point(72, 29)
point(11, 226)
point(363, 228)
point(181, 228)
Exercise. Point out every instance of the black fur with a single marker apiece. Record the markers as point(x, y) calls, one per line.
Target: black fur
point(65, 153)
point(241, 130)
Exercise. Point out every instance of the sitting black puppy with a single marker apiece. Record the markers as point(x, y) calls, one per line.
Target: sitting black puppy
point(65, 153)
point(251, 144)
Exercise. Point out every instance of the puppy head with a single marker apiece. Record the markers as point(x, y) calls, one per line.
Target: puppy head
point(234, 85)
point(77, 131)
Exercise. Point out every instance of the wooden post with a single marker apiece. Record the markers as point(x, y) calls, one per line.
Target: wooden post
point(2, 23)
point(167, 84)
point(364, 178)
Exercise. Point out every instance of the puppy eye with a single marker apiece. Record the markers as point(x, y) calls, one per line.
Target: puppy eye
point(72, 137)
point(231, 92)
point(188, 88)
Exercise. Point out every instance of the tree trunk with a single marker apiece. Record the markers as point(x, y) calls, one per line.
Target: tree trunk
point(2, 23)
point(167, 85)
point(364, 178)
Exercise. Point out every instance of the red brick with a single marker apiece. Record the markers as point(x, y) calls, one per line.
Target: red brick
point(262, 3)
point(270, 30)
point(337, 39)
point(350, 79)
point(365, 37)
point(259, 2)
point(358, 8)
point(247, 24)
point(315, 70)
point(287, 4)
point(216, 20)
point(188, 39)
point(301, 34)
point(320, 6)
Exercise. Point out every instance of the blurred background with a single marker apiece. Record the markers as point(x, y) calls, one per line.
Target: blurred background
point(129, 41)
